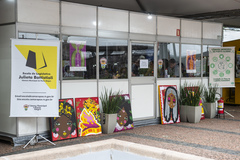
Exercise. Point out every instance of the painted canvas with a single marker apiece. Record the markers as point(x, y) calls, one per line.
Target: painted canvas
point(168, 102)
point(191, 61)
point(78, 56)
point(64, 126)
point(88, 116)
point(124, 116)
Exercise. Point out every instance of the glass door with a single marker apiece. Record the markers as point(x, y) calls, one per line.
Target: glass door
point(142, 80)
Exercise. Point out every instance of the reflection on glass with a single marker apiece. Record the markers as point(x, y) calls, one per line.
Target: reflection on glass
point(191, 60)
point(37, 36)
point(168, 60)
point(113, 59)
point(142, 59)
point(206, 60)
point(79, 57)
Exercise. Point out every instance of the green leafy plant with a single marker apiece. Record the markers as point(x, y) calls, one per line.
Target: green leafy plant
point(190, 94)
point(111, 101)
point(209, 95)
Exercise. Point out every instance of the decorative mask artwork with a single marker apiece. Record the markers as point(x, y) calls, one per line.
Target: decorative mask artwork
point(88, 116)
point(169, 107)
point(64, 126)
point(124, 116)
point(103, 62)
point(160, 63)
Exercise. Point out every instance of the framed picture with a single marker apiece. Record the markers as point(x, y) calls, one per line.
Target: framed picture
point(88, 116)
point(64, 126)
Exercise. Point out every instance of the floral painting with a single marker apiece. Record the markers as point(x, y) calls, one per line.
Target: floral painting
point(88, 116)
point(124, 116)
point(64, 126)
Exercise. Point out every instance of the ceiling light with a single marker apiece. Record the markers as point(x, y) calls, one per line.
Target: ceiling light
point(149, 16)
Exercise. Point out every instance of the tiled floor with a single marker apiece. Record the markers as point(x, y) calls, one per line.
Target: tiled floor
point(211, 138)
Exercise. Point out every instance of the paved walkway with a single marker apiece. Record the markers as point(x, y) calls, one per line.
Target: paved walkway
point(211, 138)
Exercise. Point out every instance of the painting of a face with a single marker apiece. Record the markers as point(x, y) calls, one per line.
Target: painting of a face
point(171, 100)
point(122, 117)
point(63, 126)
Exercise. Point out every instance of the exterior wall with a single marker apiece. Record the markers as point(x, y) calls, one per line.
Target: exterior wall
point(7, 12)
point(137, 28)
point(7, 124)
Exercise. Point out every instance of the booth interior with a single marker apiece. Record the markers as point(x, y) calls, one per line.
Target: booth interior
point(124, 51)
point(230, 94)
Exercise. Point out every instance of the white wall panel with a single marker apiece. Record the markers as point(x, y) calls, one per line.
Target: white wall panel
point(113, 20)
point(142, 101)
point(166, 82)
point(193, 81)
point(167, 26)
point(139, 23)
point(205, 81)
point(115, 85)
point(212, 30)
point(191, 29)
point(38, 11)
point(78, 15)
point(7, 11)
point(7, 124)
point(77, 89)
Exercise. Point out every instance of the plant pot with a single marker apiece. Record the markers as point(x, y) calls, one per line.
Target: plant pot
point(194, 114)
point(108, 122)
point(183, 113)
point(209, 110)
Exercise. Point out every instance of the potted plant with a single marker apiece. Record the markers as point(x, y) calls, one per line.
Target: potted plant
point(209, 97)
point(194, 110)
point(190, 95)
point(110, 105)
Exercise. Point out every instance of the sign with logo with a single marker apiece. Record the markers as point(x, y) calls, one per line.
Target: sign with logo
point(34, 78)
point(222, 66)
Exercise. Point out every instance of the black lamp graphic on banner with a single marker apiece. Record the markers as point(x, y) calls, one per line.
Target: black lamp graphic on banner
point(32, 61)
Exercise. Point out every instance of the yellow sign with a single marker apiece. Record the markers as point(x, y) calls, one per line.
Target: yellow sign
point(43, 60)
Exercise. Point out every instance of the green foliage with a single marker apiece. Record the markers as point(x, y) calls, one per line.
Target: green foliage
point(190, 94)
point(111, 101)
point(209, 95)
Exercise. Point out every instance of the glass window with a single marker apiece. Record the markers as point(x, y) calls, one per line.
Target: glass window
point(38, 36)
point(113, 58)
point(142, 59)
point(191, 60)
point(206, 60)
point(79, 57)
point(168, 60)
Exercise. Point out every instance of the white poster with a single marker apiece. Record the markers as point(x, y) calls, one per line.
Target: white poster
point(222, 66)
point(34, 78)
point(143, 63)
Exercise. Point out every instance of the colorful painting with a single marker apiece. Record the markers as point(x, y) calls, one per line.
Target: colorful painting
point(168, 101)
point(88, 116)
point(78, 56)
point(124, 116)
point(191, 61)
point(64, 126)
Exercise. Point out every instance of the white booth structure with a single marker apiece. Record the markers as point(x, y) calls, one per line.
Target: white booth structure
point(116, 41)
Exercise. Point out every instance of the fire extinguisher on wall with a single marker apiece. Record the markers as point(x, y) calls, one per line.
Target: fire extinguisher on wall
point(220, 106)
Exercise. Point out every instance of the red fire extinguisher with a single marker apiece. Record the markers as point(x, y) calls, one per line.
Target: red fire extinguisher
point(221, 106)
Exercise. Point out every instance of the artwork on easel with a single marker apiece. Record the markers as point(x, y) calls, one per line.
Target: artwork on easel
point(88, 116)
point(168, 102)
point(64, 126)
point(124, 116)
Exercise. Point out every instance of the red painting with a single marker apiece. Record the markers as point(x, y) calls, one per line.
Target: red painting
point(64, 126)
point(88, 116)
